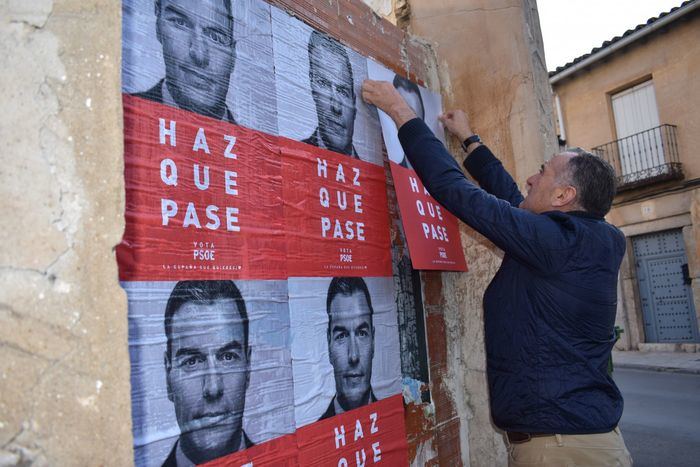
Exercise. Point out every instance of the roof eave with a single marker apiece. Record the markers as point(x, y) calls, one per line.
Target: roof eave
point(625, 41)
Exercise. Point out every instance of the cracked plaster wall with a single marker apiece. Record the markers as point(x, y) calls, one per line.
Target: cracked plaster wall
point(64, 368)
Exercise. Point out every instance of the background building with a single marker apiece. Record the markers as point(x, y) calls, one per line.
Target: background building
point(636, 102)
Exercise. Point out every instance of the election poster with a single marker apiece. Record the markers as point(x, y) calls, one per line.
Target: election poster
point(431, 231)
point(332, 155)
point(256, 256)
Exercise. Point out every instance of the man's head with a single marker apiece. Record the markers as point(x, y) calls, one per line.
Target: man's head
point(207, 365)
point(411, 94)
point(350, 340)
point(332, 88)
point(198, 51)
point(574, 180)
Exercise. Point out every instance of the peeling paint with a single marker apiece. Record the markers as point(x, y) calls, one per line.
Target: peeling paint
point(411, 391)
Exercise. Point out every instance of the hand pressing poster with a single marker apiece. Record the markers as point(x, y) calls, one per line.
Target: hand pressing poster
point(432, 232)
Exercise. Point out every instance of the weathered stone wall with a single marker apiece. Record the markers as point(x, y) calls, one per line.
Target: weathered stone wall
point(64, 385)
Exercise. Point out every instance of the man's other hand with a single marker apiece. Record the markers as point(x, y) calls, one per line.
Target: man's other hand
point(457, 123)
point(385, 97)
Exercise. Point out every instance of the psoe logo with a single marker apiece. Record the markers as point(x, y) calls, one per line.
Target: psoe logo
point(203, 251)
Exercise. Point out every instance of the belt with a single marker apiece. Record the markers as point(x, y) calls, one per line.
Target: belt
point(516, 437)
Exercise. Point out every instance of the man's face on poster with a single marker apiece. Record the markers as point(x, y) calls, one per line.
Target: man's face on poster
point(207, 377)
point(198, 51)
point(351, 348)
point(332, 90)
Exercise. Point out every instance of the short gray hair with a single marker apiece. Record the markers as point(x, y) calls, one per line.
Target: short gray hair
point(594, 179)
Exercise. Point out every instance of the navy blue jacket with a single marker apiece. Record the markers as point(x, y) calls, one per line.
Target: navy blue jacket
point(549, 312)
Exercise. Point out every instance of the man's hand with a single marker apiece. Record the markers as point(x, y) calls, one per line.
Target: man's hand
point(385, 97)
point(457, 123)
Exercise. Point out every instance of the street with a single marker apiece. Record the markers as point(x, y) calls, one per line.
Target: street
point(661, 420)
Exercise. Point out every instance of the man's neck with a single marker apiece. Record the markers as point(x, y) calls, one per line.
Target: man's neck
point(323, 145)
point(180, 457)
point(340, 407)
point(183, 460)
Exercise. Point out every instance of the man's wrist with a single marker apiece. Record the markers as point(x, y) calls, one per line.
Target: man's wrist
point(464, 134)
point(401, 113)
point(470, 143)
point(470, 148)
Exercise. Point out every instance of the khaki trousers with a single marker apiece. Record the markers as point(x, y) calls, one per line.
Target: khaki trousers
point(597, 450)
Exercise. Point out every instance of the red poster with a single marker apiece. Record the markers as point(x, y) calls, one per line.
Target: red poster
point(431, 231)
point(280, 452)
point(336, 212)
point(203, 198)
point(371, 435)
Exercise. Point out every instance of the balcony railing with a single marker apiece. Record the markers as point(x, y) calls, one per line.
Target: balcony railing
point(647, 157)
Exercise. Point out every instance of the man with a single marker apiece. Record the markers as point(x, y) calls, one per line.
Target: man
point(330, 74)
point(207, 365)
point(550, 310)
point(411, 94)
point(199, 54)
point(350, 344)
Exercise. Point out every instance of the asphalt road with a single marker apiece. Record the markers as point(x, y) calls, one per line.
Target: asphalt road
point(661, 420)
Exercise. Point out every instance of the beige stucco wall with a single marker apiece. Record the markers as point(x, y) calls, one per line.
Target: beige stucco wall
point(64, 364)
point(671, 59)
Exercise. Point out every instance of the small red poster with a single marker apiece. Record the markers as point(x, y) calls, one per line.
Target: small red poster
point(203, 198)
point(371, 435)
point(432, 233)
point(337, 213)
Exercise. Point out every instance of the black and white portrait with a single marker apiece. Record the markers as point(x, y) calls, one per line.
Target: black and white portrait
point(318, 86)
point(426, 104)
point(223, 380)
point(211, 57)
point(345, 344)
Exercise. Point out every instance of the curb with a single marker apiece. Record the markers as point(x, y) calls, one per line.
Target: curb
point(643, 366)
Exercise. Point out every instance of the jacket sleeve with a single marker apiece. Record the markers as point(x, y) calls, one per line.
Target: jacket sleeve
point(489, 172)
point(538, 240)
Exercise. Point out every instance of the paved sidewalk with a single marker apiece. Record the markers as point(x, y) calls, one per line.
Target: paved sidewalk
point(681, 362)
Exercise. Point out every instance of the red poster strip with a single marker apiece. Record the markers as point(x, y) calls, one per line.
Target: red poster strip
point(431, 231)
point(203, 198)
point(337, 213)
point(371, 435)
point(280, 452)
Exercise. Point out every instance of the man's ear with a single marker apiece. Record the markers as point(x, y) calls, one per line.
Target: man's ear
point(373, 335)
point(168, 367)
point(564, 196)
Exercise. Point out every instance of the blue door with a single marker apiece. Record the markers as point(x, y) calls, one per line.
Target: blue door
point(664, 287)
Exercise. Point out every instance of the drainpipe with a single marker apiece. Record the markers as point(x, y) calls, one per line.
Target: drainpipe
point(560, 116)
